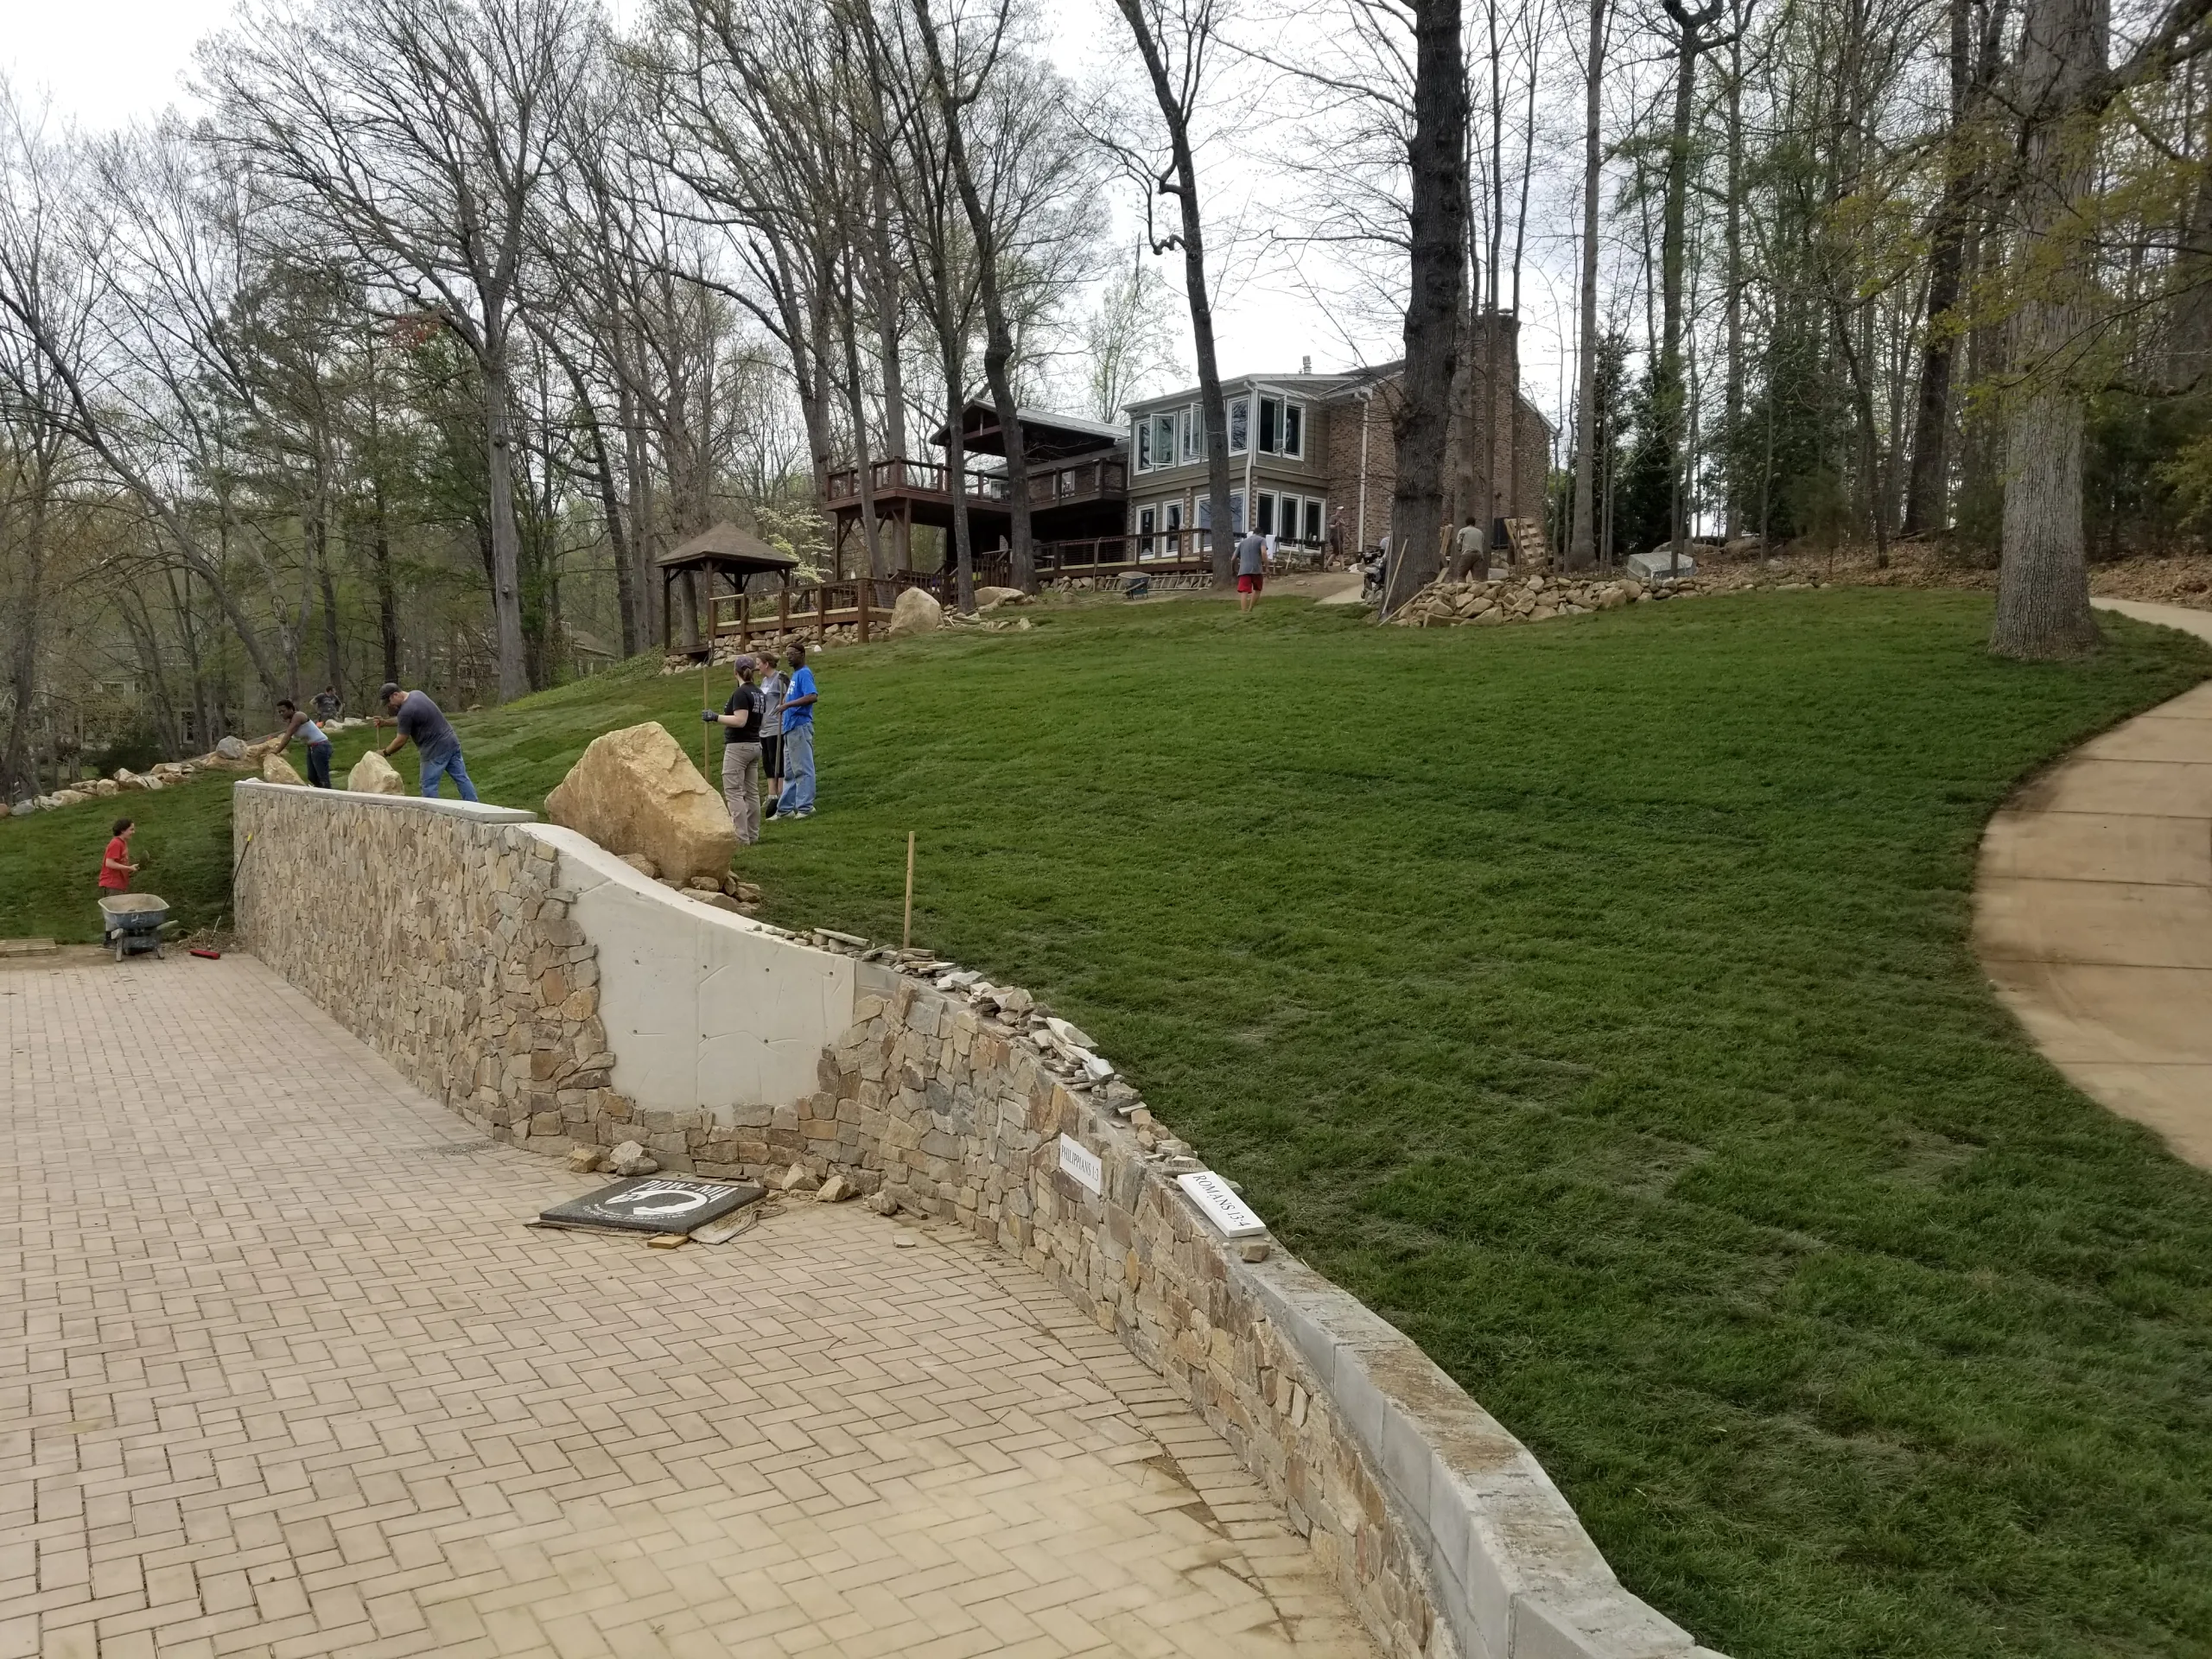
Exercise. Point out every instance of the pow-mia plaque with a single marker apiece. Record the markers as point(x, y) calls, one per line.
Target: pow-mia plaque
point(654, 1203)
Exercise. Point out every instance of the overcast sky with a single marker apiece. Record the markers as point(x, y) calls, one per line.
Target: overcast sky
point(106, 62)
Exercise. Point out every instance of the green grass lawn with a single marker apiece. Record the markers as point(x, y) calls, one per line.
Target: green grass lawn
point(1595, 1000)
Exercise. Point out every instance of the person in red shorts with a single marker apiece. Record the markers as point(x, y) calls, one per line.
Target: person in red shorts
point(1251, 570)
point(116, 867)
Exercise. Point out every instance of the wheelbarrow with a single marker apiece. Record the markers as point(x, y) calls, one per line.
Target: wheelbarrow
point(132, 923)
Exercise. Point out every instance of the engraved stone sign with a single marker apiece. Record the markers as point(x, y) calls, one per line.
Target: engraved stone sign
point(1219, 1205)
point(1082, 1165)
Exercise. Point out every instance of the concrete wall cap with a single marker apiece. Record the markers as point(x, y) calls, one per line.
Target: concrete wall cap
point(477, 812)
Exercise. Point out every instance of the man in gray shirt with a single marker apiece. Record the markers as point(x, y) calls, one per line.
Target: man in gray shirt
point(1251, 570)
point(423, 723)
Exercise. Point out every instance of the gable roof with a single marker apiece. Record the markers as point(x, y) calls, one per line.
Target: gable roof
point(726, 546)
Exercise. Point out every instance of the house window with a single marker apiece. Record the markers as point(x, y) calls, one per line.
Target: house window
point(1240, 425)
point(1267, 525)
point(1312, 536)
point(1144, 446)
point(1206, 512)
point(1148, 522)
point(1236, 513)
point(1174, 525)
point(1163, 440)
point(1282, 428)
point(1192, 438)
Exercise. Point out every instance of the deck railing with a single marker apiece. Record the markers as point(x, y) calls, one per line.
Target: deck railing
point(1105, 478)
point(816, 608)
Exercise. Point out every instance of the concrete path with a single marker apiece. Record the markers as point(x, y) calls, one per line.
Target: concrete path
point(281, 1373)
point(2094, 912)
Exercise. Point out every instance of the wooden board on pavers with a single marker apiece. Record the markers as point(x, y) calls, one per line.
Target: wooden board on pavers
point(654, 1203)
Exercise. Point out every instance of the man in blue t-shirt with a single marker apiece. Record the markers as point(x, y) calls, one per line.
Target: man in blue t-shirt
point(797, 799)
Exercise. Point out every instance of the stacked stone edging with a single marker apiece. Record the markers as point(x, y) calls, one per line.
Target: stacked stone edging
point(1440, 1528)
point(439, 935)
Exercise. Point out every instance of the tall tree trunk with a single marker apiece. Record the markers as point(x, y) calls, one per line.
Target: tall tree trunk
point(1437, 154)
point(1734, 232)
point(2042, 583)
point(1582, 541)
point(16, 766)
point(1928, 480)
point(333, 666)
point(1670, 390)
point(857, 413)
point(506, 545)
point(1183, 185)
point(387, 592)
point(883, 300)
point(956, 458)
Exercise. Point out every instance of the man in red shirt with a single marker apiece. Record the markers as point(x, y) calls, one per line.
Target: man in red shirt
point(115, 869)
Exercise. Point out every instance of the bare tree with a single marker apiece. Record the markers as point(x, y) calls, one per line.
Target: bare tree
point(1174, 38)
point(957, 92)
point(421, 134)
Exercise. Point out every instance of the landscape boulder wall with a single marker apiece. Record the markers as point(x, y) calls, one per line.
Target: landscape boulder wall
point(554, 995)
point(915, 612)
point(635, 791)
point(374, 775)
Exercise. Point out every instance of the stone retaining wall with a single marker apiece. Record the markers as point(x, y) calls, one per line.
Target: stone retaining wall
point(466, 945)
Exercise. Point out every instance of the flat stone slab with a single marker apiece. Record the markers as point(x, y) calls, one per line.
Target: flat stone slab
point(655, 1203)
point(28, 948)
point(287, 1375)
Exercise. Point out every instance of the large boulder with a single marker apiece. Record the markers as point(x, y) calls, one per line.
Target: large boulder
point(374, 775)
point(635, 791)
point(230, 749)
point(275, 769)
point(989, 599)
point(915, 612)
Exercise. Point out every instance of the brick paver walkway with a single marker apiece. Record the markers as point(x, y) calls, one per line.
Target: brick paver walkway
point(281, 1373)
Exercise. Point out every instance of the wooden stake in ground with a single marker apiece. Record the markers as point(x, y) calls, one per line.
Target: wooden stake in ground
point(906, 942)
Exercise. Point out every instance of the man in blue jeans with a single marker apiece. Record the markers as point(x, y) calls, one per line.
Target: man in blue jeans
point(423, 722)
point(797, 799)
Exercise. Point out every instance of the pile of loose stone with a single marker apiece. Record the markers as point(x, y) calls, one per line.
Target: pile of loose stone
point(1064, 1050)
point(231, 755)
point(1536, 597)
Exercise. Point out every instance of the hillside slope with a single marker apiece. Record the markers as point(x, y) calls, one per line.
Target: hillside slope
point(1595, 1000)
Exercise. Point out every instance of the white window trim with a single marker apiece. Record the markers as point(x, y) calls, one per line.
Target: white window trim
point(1229, 414)
point(1298, 403)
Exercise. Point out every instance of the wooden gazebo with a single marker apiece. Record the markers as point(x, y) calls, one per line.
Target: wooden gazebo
point(736, 555)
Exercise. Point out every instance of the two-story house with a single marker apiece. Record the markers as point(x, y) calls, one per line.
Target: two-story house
point(1313, 459)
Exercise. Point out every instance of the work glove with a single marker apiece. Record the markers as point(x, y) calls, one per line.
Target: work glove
point(709, 716)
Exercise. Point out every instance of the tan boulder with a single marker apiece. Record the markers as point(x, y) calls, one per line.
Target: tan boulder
point(374, 775)
point(635, 791)
point(275, 769)
point(915, 612)
point(989, 599)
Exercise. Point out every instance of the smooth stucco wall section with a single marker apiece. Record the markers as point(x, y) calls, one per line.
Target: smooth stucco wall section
point(704, 1009)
